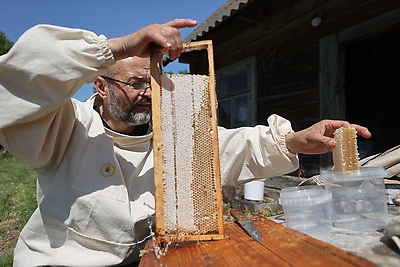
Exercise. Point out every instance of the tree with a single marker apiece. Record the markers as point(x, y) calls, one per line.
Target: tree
point(180, 72)
point(5, 44)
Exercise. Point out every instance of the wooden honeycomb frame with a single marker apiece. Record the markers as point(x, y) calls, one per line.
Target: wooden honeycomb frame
point(204, 190)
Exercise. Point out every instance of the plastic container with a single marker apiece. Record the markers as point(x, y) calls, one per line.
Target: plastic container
point(359, 198)
point(307, 209)
point(254, 190)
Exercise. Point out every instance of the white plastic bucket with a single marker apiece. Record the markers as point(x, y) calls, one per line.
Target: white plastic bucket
point(254, 190)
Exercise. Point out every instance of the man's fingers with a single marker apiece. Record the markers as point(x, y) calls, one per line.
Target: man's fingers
point(165, 35)
point(176, 52)
point(170, 36)
point(181, 23)
point(174, 44)
point(363, 131)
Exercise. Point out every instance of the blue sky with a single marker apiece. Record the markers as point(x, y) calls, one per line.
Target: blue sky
point(111, 18)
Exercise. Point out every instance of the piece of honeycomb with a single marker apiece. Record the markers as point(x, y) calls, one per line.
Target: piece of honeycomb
point(189, 176)
point(345, 153)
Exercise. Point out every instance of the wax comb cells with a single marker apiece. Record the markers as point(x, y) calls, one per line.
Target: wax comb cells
point(345, 153)
point(188, 161)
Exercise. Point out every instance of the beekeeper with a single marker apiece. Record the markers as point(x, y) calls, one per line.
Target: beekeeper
point(94, 160)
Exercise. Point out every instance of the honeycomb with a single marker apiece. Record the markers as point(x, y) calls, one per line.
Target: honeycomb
point(187, 183)
point(345, 153)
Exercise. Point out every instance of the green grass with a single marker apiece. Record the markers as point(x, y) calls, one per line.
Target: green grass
point(17, 202)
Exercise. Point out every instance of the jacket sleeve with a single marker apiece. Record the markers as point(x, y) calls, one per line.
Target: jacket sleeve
point(38, 77)
point(255, 152)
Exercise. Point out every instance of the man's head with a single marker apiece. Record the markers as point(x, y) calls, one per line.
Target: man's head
point(126, 94)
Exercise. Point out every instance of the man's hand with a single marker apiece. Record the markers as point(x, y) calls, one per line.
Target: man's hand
point(165, 35)
point(318, 138)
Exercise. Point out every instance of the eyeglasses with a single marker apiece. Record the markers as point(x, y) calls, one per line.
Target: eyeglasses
point(134, 85)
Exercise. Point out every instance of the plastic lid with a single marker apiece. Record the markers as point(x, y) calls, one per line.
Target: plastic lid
point(304, 195)
point(365, 173)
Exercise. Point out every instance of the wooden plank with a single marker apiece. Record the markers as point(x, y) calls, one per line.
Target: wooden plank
point(281, 246)
point(372, 25)
point(213, 109)
point(155, 70)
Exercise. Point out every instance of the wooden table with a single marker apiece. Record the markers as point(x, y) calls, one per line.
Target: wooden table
point(281, 246)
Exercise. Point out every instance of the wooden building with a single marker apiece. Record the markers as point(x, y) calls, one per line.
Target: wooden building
point(307, 60)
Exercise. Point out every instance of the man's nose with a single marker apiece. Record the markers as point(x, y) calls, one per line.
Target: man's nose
point(146, 91)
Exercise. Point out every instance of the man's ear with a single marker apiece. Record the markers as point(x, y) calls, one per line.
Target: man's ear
point(101, 87)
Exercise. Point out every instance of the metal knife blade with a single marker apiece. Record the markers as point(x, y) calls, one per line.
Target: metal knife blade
point(246, 224)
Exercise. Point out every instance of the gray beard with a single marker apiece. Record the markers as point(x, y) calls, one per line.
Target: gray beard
point(126, 114)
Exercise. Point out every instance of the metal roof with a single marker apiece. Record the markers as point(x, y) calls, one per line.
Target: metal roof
point(229, 8)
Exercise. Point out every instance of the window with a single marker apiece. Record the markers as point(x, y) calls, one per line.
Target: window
point(236, 88)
